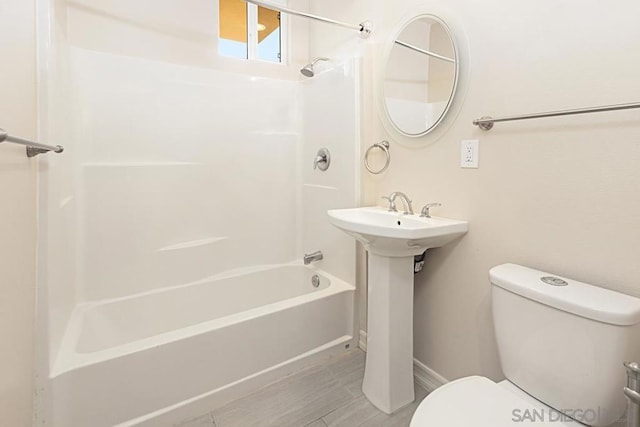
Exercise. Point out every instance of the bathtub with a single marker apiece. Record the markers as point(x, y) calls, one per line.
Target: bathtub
point(156, 358)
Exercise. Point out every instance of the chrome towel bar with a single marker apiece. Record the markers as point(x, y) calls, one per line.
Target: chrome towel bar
point(486, 123)
point(33, 148)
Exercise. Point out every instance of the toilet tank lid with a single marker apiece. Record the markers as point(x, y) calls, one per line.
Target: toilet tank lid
point(575, 297)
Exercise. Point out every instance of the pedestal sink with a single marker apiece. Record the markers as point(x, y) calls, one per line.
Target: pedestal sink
point(392, 240)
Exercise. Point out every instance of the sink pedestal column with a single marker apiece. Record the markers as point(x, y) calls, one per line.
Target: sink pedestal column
point(388, 374)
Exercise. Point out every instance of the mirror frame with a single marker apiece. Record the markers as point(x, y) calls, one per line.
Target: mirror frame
point(385, 116)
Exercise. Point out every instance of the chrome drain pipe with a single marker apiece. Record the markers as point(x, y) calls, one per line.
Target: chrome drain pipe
point(632, 391)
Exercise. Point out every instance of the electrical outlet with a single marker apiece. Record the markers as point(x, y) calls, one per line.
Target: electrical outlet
point(469, 150)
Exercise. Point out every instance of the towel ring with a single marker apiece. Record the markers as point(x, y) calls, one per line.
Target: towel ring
point(384, 146)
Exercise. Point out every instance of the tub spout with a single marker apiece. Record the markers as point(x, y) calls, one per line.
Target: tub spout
point(315, 256)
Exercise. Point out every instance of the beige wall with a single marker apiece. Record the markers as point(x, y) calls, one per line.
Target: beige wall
point(17, 212)
point(562, 194)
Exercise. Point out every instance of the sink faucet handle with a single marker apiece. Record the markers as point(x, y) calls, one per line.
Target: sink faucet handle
point(425, 210)
point(392, 203)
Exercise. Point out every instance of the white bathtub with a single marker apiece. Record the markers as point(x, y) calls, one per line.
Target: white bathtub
point(155, 358)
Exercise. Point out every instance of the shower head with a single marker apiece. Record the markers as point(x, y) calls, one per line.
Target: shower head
point(308, 71)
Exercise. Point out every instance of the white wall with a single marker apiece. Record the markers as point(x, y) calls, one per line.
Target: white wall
point(556, 194)
point(17, 213)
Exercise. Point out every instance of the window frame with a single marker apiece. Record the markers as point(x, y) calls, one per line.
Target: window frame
point(252, 35)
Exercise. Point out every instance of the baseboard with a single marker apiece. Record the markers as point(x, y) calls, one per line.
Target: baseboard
point(424, 376)
point(362, 341)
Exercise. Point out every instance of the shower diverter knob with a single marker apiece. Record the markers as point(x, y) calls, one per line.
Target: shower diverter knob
point(322, 160)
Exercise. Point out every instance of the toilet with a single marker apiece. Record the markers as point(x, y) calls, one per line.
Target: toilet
point(561, 344)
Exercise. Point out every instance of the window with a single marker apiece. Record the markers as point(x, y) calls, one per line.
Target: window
point(248, 31)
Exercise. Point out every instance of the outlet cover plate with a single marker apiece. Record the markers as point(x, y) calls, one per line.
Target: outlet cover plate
point(469, 151)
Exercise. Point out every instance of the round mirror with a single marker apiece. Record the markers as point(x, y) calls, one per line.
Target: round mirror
point(420, 76)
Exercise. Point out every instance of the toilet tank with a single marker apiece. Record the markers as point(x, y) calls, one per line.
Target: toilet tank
point(564, 342)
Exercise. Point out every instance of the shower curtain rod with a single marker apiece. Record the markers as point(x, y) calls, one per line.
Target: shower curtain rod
point(364, 28)
point(426, 52)
point(33, 148)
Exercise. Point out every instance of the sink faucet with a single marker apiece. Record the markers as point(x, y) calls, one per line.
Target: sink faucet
point(406, 203)
point(315, 256)
point(425, 210)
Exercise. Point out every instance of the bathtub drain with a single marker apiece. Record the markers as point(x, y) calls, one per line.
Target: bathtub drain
point(315, 280)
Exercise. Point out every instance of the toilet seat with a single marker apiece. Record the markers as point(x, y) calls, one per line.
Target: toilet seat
point(478, 401)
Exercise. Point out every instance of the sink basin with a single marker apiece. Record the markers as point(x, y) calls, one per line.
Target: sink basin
point(394, 234)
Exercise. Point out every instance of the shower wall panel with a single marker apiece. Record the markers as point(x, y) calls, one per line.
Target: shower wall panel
point(184, 172)
point(331, 120)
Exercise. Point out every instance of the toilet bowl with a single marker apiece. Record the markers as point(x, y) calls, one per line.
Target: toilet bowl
point(478, 401)
point(561, 344)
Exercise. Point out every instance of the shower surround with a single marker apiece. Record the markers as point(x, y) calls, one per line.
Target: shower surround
point(173, 230)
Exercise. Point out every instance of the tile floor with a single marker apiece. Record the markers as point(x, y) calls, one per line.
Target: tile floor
point(326, 395)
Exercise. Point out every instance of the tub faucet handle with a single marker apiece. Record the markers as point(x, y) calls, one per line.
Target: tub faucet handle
point(322, 159)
